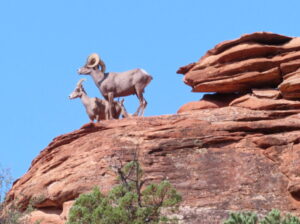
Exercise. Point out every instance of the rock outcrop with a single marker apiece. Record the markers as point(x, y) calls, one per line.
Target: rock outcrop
point(253, 61)
point(220, 160)
point(236, 149)
point(256, 71)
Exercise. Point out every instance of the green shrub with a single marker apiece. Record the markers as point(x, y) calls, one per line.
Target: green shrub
point(242, 218)
point(273, 217)
point(127, 203)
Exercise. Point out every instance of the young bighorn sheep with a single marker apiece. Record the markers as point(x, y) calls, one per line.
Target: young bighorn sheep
point(115, 84)
point(96, 108)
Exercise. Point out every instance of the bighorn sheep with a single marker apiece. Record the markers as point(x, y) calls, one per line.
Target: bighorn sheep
point(97, 109)
point(115, 84)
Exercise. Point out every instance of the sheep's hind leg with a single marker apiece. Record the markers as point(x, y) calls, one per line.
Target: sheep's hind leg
point(140, 110)
point(137, 111)
point(143, 107)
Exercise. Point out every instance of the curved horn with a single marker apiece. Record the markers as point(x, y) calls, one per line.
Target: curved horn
point(103, 67)
point(79, 83)
point(92, 60)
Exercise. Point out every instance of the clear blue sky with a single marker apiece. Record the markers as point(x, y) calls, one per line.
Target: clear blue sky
point(42, 43)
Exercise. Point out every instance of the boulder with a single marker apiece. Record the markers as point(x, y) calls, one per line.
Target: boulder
point(266, 93)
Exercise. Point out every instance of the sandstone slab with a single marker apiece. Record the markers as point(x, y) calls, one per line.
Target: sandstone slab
point(243, 82)
point(254, 60)
point(290, 87)
point(209, 101)
point(266, 93)
point(220, 160)
point(255, 103)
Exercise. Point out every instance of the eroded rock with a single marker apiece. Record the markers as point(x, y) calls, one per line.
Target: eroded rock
point(209, 101)
point(220, 160)
point(290, 87)
point(256, 60)
point(256, 103)
point(266, 93)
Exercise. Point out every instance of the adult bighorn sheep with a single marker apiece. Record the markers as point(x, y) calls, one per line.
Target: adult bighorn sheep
point(96, 108)
point(117, 84)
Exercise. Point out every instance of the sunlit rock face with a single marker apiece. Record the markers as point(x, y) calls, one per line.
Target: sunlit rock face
point(256, 60)
point(219, 159)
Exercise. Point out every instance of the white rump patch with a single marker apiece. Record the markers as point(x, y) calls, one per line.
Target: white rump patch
point(144, 71)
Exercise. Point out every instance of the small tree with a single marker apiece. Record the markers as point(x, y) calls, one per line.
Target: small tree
point(5, 182)
point(130, 202)
point(11, 214)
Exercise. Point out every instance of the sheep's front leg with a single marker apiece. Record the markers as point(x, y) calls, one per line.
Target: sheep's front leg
point(110, 104)
point(91, 117)
point(97, 118)
point(106, 112)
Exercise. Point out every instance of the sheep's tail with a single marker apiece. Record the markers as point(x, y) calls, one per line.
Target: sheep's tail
point(146, 77)
point(149, 77)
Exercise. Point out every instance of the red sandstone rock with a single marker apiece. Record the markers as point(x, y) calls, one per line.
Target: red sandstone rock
point(261, 99)
point(66, 208)
point(45, 216)
point(209, 101)
point(254, 60)
point(197, 105)
point(290, 87)
point(258, 37)
point(255, 103)
point(243, 82)
point(291, 74)
point(289, 67)
point(266, 93)
point(186, 68)
point(221, 159)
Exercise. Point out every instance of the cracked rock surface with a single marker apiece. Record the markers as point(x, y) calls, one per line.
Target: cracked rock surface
point(220, 160)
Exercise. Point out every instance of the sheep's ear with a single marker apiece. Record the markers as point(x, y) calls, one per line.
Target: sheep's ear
point(79, 83)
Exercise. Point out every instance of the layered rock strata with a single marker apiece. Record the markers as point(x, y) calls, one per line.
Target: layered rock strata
point(252, 61)
point(220, 160)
